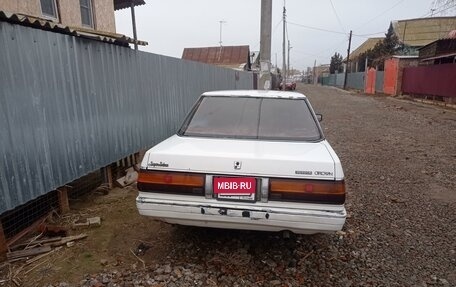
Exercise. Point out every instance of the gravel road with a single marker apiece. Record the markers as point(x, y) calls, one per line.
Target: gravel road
point(399, 159)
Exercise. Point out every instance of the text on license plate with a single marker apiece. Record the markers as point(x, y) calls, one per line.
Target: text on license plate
point(242, 188)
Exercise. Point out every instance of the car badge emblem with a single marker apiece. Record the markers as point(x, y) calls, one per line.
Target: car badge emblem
point(237, 165)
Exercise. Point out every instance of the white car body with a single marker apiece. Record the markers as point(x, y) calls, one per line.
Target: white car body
point(262, 160)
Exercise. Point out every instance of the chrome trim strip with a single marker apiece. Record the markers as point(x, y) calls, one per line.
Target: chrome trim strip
point(208, 189)
point(264, 189)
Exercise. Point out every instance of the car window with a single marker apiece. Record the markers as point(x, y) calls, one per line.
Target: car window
point(248, 117)
point(226, 117)
point(287, 119)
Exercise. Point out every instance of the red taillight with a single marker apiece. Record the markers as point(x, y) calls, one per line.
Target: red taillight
point(171, 182)
point(315, 191)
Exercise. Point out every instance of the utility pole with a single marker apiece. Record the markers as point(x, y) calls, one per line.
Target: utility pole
point(276, 60)
point(265, 45)
point(314, 72)
point(284, 68)
point(288, 60)
point(348, 60)
point(221, 24)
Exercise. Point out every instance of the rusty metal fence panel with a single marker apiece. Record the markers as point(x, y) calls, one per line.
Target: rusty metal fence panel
point(69, 106)
point(437, 80)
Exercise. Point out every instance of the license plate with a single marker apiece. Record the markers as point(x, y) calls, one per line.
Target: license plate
point(235, 188)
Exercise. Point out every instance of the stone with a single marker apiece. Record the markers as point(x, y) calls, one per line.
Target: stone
point(105, 279)
point(159, 271)
point(94, 221)
point(161, 278)
point(270, 263)
point(168, 269)
point(275, 282)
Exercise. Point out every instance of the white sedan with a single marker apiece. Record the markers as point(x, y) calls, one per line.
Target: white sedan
point(255, 160)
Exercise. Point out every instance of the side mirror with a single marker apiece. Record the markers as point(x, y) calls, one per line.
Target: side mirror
point(319, 117)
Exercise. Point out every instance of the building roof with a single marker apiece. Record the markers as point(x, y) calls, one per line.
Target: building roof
point(225, 56)
point(367, 45)
point(422, 31)
point(44, 24)
point(122, 4)
point(438, 57)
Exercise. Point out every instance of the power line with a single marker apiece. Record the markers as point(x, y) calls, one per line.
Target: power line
point(382, 13)
point(333, 47)
point(332, 31)
point(337, 16)
point(277, 25)
point(436, 11)
point(367, 36)
point(316, 28)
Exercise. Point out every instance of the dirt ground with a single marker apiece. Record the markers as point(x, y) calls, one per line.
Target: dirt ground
point(399, 159)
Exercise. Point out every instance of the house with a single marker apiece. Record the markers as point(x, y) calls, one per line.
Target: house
point(233, 57)
point(354, 65)
point(83, 18)
point(320, 72)
point(91, 14)
point(442, 51)
point(417, 33)
point(95, 15)
point(412, 35)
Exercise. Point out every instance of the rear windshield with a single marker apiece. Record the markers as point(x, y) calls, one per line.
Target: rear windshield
point(252, 118)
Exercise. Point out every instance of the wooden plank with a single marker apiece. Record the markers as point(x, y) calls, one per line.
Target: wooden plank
point(64, 204)
point(28, 252)
point(3, 244)
point(37, 242)
point(27, 230)
point(67, 239)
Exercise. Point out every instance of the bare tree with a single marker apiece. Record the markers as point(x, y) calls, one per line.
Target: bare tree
point(443, 8)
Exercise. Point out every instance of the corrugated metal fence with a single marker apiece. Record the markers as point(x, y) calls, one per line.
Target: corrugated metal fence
point(379, 78)
point(69, 106)
point(354, 80)
point(437, 80)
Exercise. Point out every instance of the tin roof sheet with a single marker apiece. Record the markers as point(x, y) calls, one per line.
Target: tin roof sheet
point(43, 24)
point(122, 4)
point(228, 56)
point(422, 31)
point(368, 44)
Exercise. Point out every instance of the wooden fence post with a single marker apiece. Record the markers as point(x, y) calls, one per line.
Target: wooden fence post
point(64, 204)
point(107, 173)
point(3, 244)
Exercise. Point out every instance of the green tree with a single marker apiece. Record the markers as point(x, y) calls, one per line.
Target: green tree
point(376, 56)
point(390, 45)
point(336, 64)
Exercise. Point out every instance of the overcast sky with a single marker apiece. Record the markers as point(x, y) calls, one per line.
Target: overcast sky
point(172, 25)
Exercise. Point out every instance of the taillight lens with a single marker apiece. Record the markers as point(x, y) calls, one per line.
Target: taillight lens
point(314, 191)
point(171, 182)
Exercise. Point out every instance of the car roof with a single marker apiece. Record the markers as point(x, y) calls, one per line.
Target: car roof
point(256, 94)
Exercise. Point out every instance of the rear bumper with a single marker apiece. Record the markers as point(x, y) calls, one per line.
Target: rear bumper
point(255, 216)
